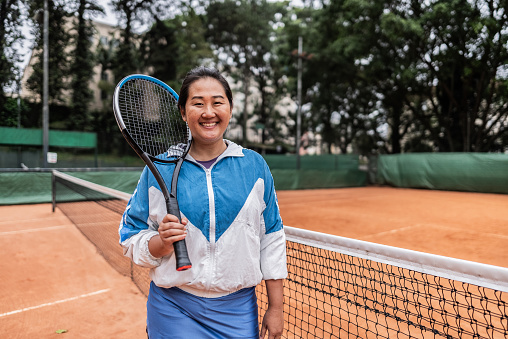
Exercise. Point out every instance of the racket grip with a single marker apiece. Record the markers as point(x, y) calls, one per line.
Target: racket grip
point(182, 258)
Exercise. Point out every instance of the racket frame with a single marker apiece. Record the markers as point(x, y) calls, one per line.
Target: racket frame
point(182, 259)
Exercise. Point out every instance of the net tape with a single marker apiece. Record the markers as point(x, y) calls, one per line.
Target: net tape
point(339, 287)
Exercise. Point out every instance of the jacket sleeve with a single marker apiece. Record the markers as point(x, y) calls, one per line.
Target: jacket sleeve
point(273, 239)
point(136, 226)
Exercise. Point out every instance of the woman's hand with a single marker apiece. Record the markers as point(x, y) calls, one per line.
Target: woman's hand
point(273, 323)
point(273, 320)
point(170, 231)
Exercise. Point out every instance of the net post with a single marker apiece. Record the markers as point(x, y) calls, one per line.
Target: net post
point(53, 191)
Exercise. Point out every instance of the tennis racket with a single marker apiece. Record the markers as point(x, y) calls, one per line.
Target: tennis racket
point(146, 110)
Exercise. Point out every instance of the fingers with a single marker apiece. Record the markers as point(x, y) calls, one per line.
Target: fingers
point(271, 335)
point(171, 218)
point(271, 326)
point(263, 332)
point(172, 230)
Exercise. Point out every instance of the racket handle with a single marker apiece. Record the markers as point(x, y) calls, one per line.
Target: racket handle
point(182, 258)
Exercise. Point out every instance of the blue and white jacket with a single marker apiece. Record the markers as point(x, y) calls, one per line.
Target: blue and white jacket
point(235, 236)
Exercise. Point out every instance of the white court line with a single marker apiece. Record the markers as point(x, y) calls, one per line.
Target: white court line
point(31, 219)
point(392, 231)
point(454, 229)
point(54, 303)
point(35, 230)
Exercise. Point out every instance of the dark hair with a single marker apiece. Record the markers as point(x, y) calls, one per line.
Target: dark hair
point(200, 73)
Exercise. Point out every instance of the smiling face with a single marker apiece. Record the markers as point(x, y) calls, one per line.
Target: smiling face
point(207, 112)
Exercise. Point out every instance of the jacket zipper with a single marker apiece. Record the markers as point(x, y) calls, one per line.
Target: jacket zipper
point(211, 203)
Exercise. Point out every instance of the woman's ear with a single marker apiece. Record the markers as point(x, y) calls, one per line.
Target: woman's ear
point(182, 112)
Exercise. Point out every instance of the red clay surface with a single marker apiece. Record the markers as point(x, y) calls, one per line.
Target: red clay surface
point(53, 279)
point(469, 226)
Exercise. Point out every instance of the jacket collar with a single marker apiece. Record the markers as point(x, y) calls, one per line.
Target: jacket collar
point(233, 150)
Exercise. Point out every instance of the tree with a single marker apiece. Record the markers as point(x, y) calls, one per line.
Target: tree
point(109, 140)
point(241, 32)
point(334, 84)
point(83, 62)
point(59, 39)
point(159, 49)
point(173, 46)
point(370, 59)
point(10, 35)
point(393, 67)
point(465, 57)
point(127, 57)
point(105, 56)
point(192, 47)
point(436, 67)
point(13, 111)
point(417, 75)
point(266, 70)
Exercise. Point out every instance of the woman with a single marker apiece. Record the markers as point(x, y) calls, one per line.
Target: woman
point(230, 222)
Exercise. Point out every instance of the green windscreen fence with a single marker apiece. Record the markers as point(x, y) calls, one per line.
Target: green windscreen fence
point(310, 179)
point(19, 187)
point(35, 187)
point(316, 171)
point(326, 162)
point(33, 137)
point(471, 172)
point(20, 147)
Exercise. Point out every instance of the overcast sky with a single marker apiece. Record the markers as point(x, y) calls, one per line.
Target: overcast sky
point(109, 17)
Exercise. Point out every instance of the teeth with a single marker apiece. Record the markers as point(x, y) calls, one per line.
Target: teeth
point(209, 124)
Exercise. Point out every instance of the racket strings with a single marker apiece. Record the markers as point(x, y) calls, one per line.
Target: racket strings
point(152, 118)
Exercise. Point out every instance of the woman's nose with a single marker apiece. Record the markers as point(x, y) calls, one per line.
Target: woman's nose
point(208, 111)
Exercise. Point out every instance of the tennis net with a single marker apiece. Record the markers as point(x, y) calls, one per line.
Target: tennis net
point(336, 287)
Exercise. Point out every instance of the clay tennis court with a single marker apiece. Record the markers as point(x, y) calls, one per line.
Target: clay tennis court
point(53, 278)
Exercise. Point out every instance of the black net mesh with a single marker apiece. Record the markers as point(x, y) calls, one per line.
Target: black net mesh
point(333, 295)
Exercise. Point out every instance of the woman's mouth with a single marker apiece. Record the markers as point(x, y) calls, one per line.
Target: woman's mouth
point(208, 124)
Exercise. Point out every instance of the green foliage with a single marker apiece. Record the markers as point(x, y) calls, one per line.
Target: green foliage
point(402, 71)
point(383, 76)
point(105, 56)
point(11, 111)
point(160, 50)
point(243, 34)
point(173, 46)
point(127, 58)
point(10, 35)
point(59, 39)
point(82, 65)
point(191, 48)
point(466, 47)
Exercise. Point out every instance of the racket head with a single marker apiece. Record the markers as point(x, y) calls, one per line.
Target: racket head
point(147, 113)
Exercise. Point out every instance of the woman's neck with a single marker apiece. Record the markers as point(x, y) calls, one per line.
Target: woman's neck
point(206, 152)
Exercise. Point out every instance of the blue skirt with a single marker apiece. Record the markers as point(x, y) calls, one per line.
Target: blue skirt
point(173, 313)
